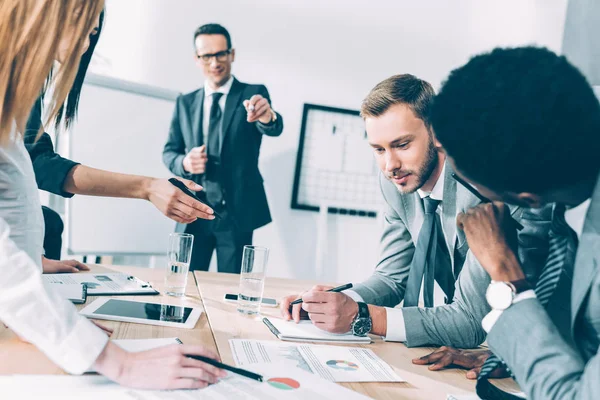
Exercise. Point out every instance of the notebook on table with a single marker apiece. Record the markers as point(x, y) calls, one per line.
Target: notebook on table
point(76, 293)
point(305, 331)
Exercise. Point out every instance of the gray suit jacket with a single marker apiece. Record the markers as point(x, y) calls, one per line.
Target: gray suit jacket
point(459, 323)
point(546, 365)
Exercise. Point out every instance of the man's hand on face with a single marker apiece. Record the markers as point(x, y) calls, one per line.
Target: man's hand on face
point(472, 360)
point(492, 238)
point(258, 109)
point(329, 311)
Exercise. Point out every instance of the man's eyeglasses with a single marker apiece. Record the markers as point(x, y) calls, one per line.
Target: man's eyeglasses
point(220, 56)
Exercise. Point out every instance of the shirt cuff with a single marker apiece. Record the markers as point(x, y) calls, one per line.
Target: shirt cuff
point(396, 330)
point(354, 296)
point(82, 347)
point(490, 319)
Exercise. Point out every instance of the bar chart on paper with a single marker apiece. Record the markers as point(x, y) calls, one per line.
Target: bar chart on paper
point(335, 164)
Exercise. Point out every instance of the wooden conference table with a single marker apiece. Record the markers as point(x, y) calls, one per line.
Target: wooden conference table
point(221, 322)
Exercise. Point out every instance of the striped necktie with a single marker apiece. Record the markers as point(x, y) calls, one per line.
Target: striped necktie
point(561, 257)
point(423, 262)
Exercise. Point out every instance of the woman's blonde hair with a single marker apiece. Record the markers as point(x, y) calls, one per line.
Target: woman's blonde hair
point(30, 34)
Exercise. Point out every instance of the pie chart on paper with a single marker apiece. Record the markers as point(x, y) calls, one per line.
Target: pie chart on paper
point(284, 383)
point(342, 364)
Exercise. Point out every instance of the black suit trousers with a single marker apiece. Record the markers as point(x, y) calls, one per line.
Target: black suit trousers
point(222, 235)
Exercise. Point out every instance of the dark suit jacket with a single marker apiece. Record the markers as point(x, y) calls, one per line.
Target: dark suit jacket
point(50, 169)
point(240, 146)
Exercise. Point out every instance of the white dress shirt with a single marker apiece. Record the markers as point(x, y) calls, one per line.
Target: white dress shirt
point(396, 329)
point(37, 315)
point(575, 218)
point(20, 200)
point(208, 100)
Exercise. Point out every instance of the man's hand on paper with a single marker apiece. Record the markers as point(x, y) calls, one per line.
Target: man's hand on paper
point(62, 266)
point(329, 311)
point(472, 360)
point(167, 367)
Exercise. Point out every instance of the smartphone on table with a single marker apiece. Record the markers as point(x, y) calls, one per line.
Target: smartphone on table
point(267, 302)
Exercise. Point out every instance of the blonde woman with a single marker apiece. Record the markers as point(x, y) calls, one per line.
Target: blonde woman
point(33, 33)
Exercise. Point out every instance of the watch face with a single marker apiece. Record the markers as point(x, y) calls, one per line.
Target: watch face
point(361, 327)
point(499, 295)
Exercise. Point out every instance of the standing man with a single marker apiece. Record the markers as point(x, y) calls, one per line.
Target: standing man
point(420, 242)
point(215, 140)
point(524, 126)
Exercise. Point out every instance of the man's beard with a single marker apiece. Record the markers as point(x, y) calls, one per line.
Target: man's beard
point(423, 173)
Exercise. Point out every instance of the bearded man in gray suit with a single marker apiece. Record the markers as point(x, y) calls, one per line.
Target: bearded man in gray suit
point(420, 242)
point(531, 112)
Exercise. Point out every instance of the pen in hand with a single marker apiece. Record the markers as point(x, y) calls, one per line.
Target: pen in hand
point(335, 289)
point(239, 371)
point(481, 197)
point(181, 186)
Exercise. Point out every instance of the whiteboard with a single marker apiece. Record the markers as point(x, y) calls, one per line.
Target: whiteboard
point(122, 127)
point(335, 164)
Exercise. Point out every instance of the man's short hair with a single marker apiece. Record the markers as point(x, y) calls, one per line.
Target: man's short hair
point(213, 29)
point(405, 89)
point(519, 120)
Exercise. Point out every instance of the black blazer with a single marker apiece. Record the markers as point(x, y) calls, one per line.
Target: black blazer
point(240, 147)
point(50, 169)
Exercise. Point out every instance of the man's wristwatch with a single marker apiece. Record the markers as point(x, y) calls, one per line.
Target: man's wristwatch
point(362, 323)
point(500, 295)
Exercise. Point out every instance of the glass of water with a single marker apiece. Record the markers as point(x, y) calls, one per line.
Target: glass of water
point(179, 255)
point(252, 279)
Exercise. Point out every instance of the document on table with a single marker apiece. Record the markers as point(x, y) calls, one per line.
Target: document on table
point(113, 283)
point(334, 363)
point(279, 383)
point(306, 331)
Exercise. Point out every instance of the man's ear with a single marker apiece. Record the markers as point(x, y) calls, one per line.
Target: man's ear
point(436, 142)
point(232, 55)
point(529, 199)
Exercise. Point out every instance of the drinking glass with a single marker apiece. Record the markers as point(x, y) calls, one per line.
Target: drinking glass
point(252, 279)
point(179, 255)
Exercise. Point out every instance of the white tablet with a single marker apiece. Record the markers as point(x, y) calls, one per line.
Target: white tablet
point(143, 313)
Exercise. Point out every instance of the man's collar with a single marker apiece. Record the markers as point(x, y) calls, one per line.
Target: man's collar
point(208, 91)
point(438, 189)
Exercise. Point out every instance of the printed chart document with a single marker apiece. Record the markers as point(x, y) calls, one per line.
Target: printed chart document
point(334, 363)
point(305, 331)
point(113, 283)
point(279, 383)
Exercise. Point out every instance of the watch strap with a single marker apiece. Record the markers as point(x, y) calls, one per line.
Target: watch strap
point(520, 286)
point(363, 310)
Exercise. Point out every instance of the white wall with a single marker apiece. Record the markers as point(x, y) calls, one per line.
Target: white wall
point(328, 52)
